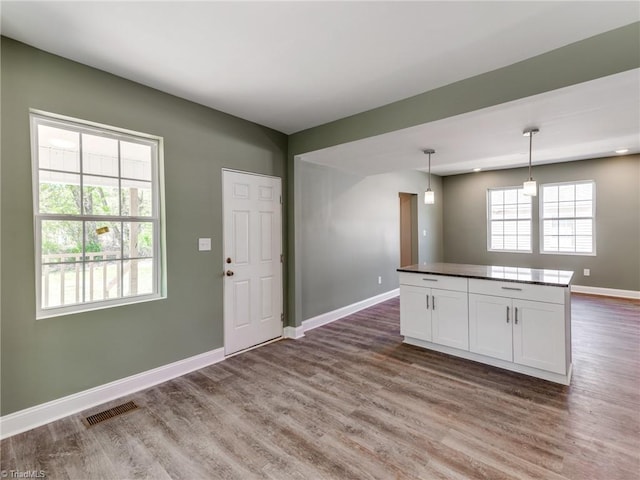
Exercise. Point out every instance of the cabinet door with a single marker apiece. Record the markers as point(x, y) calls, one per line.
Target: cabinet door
point(539, 335)
point(415, 317)
point(450, 318)
point(490, 326)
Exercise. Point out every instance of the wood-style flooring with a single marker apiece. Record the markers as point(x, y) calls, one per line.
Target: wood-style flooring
point(350, 401)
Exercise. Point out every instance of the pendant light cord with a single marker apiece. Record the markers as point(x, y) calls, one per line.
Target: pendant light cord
point(429, 187)
point(530, 144)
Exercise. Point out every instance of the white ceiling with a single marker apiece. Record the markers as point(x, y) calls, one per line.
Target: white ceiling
point(295, 65)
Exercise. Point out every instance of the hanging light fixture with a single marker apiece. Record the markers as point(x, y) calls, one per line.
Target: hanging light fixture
point(429, 196)
point(530, 187)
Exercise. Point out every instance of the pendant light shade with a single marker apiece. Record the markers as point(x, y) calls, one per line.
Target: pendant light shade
point(429, 196)
point(530, 187)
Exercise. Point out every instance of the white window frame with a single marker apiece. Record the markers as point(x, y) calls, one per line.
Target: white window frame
point(592, 217)
point(490, 219)
point(38, 117)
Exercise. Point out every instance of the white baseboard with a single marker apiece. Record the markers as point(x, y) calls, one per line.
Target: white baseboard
point(293, 332)
point(323, 319)
point(608, 292)
point(44, 413)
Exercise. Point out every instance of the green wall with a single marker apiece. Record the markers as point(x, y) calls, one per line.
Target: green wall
point(47, 359)
point(348, 232)
point(617, 263)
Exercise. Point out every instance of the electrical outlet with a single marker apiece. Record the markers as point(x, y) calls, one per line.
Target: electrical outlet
point(587, 272)
point(379, 280)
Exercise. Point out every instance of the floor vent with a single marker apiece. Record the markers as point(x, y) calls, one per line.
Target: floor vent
point(110, 413)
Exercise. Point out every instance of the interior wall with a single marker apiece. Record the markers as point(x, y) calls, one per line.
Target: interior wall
point(47, 359)
point(348, 233)
point(617, 260)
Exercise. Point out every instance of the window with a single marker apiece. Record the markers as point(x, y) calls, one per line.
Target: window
point(567, 218)
point(97, 215)
point(509, 212)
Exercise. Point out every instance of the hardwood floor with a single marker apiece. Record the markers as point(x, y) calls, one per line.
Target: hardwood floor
point(350, 401)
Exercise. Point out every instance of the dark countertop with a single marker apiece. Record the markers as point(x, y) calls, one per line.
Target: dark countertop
point(554, 278)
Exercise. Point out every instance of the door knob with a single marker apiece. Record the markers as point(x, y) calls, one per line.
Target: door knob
point(228, 259)
point(229, 273)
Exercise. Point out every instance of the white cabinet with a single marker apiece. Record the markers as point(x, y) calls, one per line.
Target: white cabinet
point(449, 318)
point(415, 316)
point(510, 326)
point(520, 326)
point(434, 314)
point(490, 330)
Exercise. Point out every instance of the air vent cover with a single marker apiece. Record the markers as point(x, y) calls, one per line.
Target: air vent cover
point(110, 413)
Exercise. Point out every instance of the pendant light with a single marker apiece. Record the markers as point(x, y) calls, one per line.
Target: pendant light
point(530, 187)
point(429, 196)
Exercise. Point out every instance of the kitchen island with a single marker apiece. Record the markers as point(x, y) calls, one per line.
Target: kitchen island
point(514, 318)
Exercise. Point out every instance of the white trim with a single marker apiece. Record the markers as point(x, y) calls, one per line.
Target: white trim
point(607, 292)
point(294, 332)
point(44, 413)
point(323, 319)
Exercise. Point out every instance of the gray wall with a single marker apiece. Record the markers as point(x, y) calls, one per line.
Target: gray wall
point(617, 263)
point(348, 233)
point(47, 359)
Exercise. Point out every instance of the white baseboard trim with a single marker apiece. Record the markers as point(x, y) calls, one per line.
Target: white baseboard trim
point(608, 292)
point(293, 332)
point(44, 413)
point(323, 319)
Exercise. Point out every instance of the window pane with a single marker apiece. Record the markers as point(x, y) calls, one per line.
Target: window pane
point(497, 197)
point(137, 239)
point(567, 227)
point(497, 242)
point(584, 244)
point(99, 155)
point(511, 211)
point(584, 209)
point(497, 228)
point(510, 196)
point(524, 243)
point(550, 227)
point(584, 227)
point(550, 194)
point(510, 228)
point(138, 277)
point(524, 227)
point(136, 160)
point(497, 212)
point(566, 209)
point(59, 192)
point(524, 211)
point(550, 210)
point(61, 284)
point(551, 243)
point(102, 280)
point(566, 193)
point(567, 244)
point(101, 196)
point(584, 191)
point(510, 242)
point(103, 240)
point(58, 149)
point(136, 198)
point(61, 241)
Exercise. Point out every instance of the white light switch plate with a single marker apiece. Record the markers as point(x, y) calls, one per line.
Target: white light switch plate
point(204, 244)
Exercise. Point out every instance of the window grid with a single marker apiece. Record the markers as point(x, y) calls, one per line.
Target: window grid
point(567, 218)
point(509, 220)
point(97, 231)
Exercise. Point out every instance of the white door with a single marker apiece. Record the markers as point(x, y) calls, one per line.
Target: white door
point(252, 260)
point(490, 331)
point(450, 318)
point(415, 317)
point(538, 335)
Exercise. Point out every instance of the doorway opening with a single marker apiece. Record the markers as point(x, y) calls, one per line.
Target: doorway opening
point(408, 229)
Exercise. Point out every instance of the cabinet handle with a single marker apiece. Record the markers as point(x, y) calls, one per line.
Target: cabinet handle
point(512, 288)
point(516, 318)
point(507, 314)
point(427, 301)
point(433, 302)
point(430, 279)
